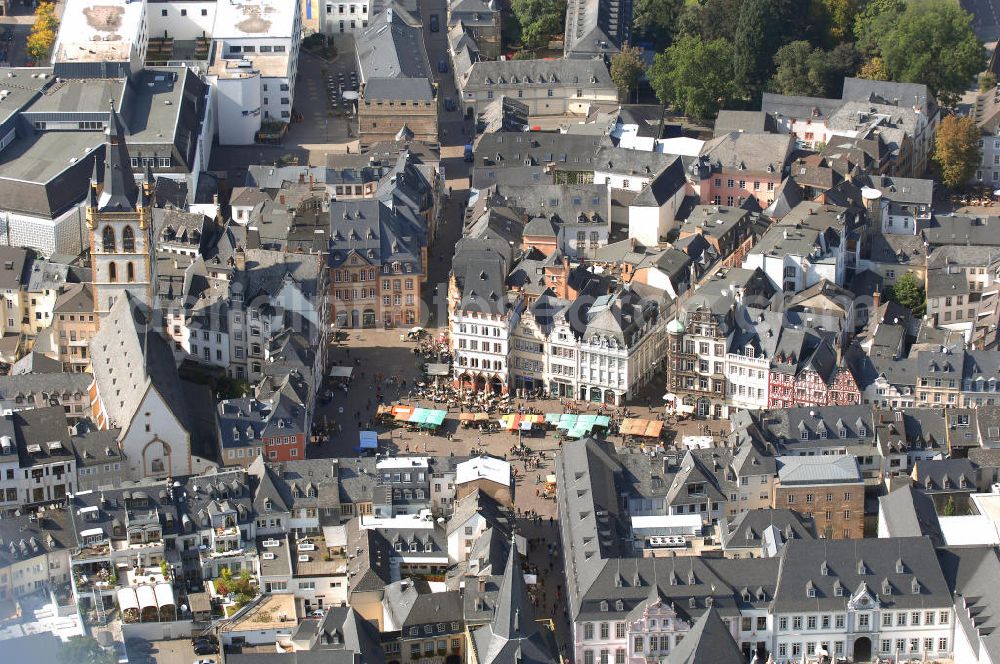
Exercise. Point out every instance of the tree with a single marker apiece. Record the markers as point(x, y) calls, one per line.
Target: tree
point(908, 292)
point(751, 54)
point(803, 70)
point(874, 70)
point(626, 68)
point(711, 19)
point(84, 650)
point(932, 42)
point(956, 150)
point(694, 76)
point(987, 81)
point(43, 31)
point(837, 18)
point(949, 508)
point(876, 17)
point(793, 70)
point(656, 20)
point(539, 20)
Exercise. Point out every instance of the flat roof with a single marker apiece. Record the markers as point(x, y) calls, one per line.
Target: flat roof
point(97, 30)
point(267, 615)
point(254, 18)
point(156, 104)
point(79, 95)
point(20, 84)
point(41, 157)
point(270, 65)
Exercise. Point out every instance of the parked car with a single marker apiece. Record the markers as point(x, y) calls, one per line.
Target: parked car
point(449, 104)
point(434, 23)
point(205, 647)
point(443, 65)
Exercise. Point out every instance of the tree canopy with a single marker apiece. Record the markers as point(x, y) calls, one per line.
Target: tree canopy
point(956, 150)
point(929, 42)
point(626, 68)
point(656, 20)
point(909, 292)
point(694, 76)
point(538, 20)
point(801, 69)
point(43, 32)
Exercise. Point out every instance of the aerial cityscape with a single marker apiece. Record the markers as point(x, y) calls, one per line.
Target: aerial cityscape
point(499, 331)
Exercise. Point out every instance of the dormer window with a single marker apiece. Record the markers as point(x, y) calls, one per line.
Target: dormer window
point(824, 569)
point(886, 588)
point(604, 605)
point(900, 568)
point(915, 587)
point(838, 590)
point(810, 589)
point(619, 605)
point(804, 434)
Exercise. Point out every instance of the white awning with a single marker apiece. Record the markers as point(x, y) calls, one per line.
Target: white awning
point(127, 599)
point(146, 596)
point(341, 372)
point(91, 532)
point(164, 595)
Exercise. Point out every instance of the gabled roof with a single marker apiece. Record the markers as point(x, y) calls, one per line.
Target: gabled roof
point(708, 641)
point(513, 636)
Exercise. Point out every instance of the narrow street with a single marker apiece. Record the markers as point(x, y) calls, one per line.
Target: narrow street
point(453, 132)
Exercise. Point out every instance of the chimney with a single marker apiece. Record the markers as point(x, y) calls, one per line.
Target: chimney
point(281, 199)
point(876, 299)
point(312, 180)
point(302, 178)
point(241, 259)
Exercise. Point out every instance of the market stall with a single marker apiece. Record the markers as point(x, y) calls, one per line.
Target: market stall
point(640, 428)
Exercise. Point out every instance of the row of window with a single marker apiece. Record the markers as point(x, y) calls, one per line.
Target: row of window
point(250, 48)
point(159, 162)
point(730, 183)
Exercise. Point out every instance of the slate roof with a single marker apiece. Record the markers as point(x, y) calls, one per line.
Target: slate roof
point(796, 107)
point(900, 565)
point(664, 186)
point(596, 27)
point(748, 529)
point(963, 230)
point(392, 59)
point(538, 73)
point(783, 427)
point(889, 92)
point(750, 122)
point(754, 153)
point(945, 475)
point(128, 358)
point(909, 512)
point(513, 635)
point(709, 640)
point(377, 233)
point(973, 575)
point(808, 470)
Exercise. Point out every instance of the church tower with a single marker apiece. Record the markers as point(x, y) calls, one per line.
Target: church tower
point(119, 221)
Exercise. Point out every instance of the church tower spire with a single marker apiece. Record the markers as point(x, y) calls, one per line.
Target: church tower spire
point(119, 219)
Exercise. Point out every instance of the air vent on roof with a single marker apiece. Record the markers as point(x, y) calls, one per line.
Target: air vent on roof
point(271, 543)
point(267, 555)
point(304, 558)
